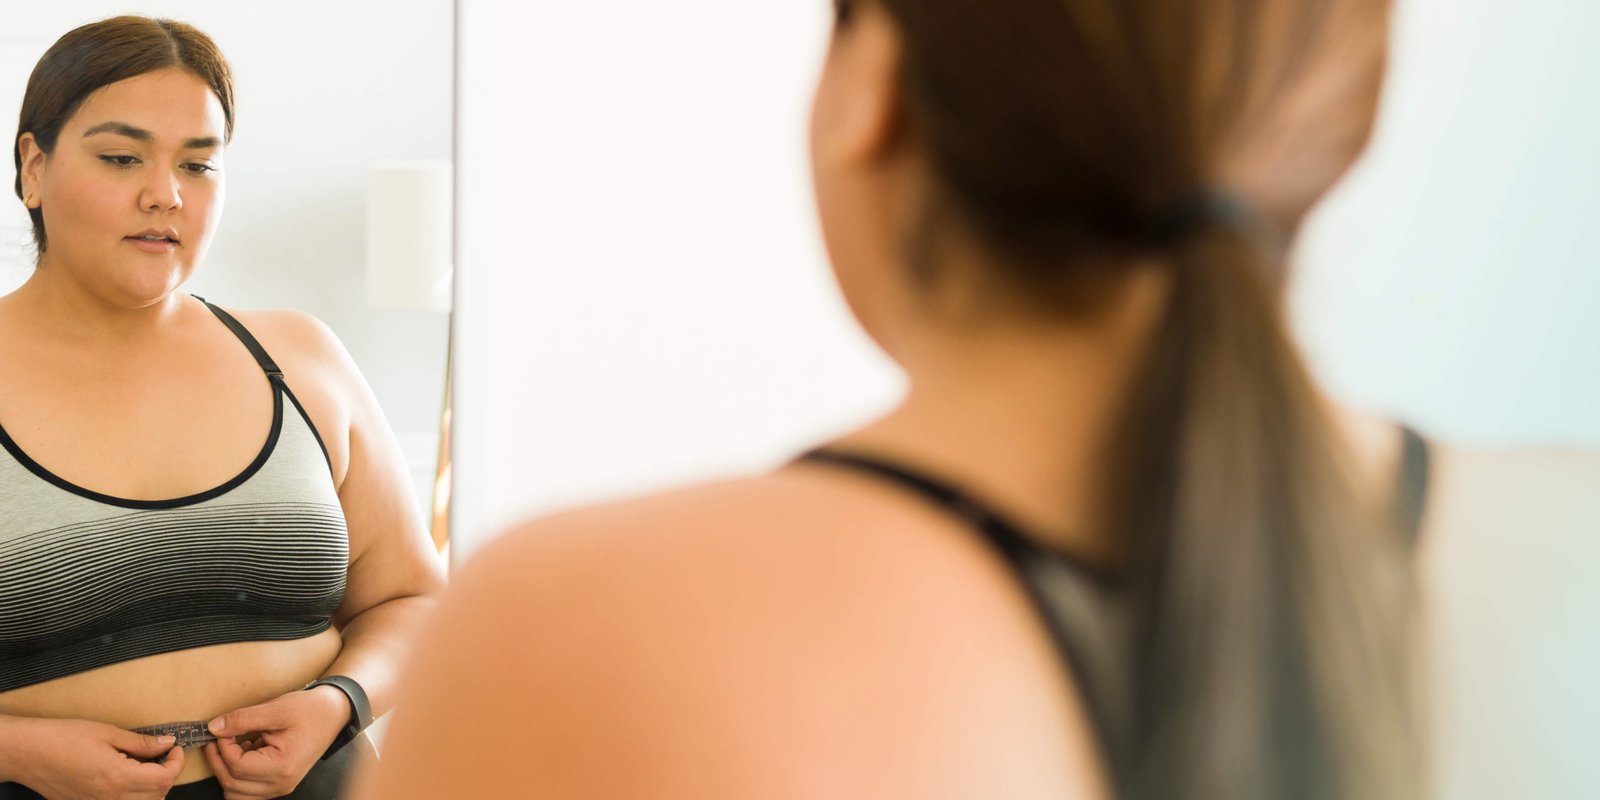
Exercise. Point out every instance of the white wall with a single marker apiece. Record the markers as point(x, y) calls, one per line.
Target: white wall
point(650, 303)
point(1452, 279)
point(654, 306)
point(324, 89)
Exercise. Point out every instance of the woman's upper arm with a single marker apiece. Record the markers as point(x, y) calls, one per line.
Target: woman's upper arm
point(391, 554)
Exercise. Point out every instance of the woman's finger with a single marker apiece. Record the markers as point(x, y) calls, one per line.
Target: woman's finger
point(243, 771)
point(233, 786)
point(141, 746)
point(158, 776)
point(219, 767)
point(250, 762)
point(173, 763)
point(229, 751)
point(265, 717)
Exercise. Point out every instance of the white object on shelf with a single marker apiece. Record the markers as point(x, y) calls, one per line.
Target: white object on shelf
point(410, 213)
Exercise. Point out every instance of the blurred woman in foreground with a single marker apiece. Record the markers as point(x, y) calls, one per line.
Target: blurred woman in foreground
point(1114, 541)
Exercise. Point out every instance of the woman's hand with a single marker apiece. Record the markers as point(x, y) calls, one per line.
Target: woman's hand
point(74, 759)
point(264, 751)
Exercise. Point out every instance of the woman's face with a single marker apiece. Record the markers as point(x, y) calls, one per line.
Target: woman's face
point(140, 155)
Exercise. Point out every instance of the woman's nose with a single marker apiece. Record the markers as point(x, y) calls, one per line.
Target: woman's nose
point(162, 193)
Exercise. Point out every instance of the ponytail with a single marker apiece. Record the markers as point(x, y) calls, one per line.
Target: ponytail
point(1268, 601)
point(1268, 624)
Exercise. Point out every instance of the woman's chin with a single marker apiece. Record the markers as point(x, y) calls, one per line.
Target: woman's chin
point(145, 285)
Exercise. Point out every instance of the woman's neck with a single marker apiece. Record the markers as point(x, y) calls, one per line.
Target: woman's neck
point(1022, 415)
point(1026, 420)
point(53, 302)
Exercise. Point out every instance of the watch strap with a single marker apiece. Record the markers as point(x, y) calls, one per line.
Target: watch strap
point(360, 709)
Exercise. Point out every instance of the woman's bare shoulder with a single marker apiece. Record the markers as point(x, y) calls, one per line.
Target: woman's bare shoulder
point(292, 335)
point(318, 370)
point(813, 536)
point(785, 633)
point(801, 543)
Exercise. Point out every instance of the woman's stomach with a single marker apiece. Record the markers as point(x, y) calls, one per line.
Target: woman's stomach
point(197, 684)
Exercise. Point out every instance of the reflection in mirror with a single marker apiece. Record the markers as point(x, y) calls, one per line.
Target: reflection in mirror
point(206, 508)
point(311, 129)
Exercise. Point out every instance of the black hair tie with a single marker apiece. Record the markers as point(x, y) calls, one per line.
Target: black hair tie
point(1202, 211)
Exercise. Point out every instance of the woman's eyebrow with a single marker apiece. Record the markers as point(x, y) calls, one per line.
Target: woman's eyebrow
point(142, 135)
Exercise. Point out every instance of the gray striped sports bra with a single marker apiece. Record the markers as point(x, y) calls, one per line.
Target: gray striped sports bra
point(88, 580)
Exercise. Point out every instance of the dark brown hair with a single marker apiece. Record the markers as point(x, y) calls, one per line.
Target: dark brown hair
point(1269, 601)
point(102, 53)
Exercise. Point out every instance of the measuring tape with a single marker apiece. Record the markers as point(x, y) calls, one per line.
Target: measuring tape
point(188, 734)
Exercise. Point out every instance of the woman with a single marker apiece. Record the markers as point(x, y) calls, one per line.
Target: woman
point(159, 565)
point(1114, 541)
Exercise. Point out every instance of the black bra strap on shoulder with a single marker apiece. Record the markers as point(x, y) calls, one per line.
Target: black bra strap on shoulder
point(267, 364)
point(1005, 535)
point(941, 494)
point(1412, 493)
point(997, 530)
point(1014, 547)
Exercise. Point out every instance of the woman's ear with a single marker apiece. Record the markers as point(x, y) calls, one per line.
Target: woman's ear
point(859, 115)
point(32, 171)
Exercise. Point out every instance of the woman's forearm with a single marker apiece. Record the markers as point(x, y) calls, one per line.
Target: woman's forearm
point(376, 644)
point(12, 747)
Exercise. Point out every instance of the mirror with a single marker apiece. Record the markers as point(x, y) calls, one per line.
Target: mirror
point(325, 94)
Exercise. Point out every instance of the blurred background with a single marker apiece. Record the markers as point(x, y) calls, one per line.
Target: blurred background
point(644, 300)
point(647, 300)
point(1451, 280)
point(325, 91)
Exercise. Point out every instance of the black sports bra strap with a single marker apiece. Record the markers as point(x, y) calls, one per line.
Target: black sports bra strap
point(1016, 549)
point(1004, 534)
point(1001, 533)
point(1412, 493)
point(267, 364)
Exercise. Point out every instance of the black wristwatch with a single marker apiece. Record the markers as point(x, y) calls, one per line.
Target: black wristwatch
point(360, 710)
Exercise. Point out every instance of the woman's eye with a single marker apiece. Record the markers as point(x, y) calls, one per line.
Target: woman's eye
point(121, 161)
point(199, 169)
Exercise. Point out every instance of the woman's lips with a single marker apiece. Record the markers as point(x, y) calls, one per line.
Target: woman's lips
point(156, 246)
